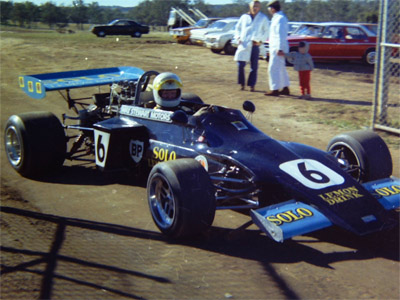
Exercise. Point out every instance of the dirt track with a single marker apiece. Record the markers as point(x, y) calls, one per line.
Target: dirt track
point(87, 235)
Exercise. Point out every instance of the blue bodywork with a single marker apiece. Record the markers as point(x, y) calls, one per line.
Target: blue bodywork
point(300, 188)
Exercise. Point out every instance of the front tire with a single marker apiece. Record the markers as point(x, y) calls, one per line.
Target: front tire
point(101, 34)
point(364, 154)
point(35, 143)
point(181, 198)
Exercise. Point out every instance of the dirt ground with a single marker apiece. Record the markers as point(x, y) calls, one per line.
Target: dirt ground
point(87, 235)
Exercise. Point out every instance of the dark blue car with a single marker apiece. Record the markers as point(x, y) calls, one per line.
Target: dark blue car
point(121, 27)
point(201, 157)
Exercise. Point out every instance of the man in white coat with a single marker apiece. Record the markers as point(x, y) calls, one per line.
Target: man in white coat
point(278, 44)
point(251, 30)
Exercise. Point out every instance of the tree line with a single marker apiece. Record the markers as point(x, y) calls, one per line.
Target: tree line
point(156, 12)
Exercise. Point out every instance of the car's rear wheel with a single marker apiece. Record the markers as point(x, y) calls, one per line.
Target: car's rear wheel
point(289, 61)
point(181, 197)
point(101, 34)
point(35, 143)
point(216, 51)
point(370, 57)
point(229, 49)
point(363, 154)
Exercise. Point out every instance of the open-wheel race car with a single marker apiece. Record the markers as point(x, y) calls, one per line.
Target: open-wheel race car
point(202, 157)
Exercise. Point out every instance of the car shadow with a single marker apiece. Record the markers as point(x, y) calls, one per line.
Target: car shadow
point(345, 66)
point(241, 243)
point(84, 174)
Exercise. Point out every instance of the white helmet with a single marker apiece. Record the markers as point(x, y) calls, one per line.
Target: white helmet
point(167, 89)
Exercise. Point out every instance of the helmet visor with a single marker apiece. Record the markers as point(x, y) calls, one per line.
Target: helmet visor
point(169, 94)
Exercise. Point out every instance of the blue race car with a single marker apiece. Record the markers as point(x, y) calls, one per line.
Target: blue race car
point(200, 157)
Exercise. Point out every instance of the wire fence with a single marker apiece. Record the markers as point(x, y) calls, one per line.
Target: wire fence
point(386, 108)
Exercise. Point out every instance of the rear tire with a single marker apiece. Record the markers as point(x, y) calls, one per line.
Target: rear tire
point(370, 57)
point(365, 154)
point(289, 61)
point(35, 143)
point(229, 49)
point(181, 198)
point(216, 51)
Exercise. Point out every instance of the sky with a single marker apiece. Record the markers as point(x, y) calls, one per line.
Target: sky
point(126, 3)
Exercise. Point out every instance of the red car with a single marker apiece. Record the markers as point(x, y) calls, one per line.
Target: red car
point(336, 41)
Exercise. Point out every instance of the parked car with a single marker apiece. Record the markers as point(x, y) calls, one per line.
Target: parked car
point(121, 27)
point(221, 41)
point(182, 34)
point(293, 26)
point(335, 41)
point(371, 27)
point(198, 36)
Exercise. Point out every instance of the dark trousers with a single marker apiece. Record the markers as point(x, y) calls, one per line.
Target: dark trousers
point(251, 81)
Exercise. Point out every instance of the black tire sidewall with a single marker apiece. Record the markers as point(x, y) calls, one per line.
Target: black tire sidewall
point(43, 143)
point(193, 193)
point(371, 151)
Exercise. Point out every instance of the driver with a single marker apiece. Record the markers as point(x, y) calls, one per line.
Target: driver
point(167, 90)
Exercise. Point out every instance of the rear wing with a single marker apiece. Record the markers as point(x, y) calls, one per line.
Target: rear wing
point(37, 85)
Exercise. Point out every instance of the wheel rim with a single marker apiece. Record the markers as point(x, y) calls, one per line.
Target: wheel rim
point(371, 57)
point(13, 146)
point(162, 201)
point(348, 160)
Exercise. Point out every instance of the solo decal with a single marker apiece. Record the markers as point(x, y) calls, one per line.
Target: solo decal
point(341, 195)
point(311, 173)
point(389, 191)
point(102, 140)
point(290, 216)
point(160, 155)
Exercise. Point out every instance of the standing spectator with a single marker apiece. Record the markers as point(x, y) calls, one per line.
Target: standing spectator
point(303, 63)
point(251, 30)
point(278, 44)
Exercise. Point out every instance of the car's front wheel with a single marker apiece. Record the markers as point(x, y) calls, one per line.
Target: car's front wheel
point(137, 34)
point(181, 197)
point(35, 143)
point(101, 34)
point(363, 154)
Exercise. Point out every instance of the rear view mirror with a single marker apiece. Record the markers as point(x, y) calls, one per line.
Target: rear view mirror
point(249, 106)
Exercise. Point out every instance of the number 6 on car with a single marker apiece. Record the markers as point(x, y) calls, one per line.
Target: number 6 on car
point(102, 140)
point(312, 173)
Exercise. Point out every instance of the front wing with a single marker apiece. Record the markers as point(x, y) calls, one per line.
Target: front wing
point(292, 218)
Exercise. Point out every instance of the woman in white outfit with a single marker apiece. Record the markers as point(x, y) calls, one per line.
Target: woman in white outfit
point(251, 30)
point(278, 44)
